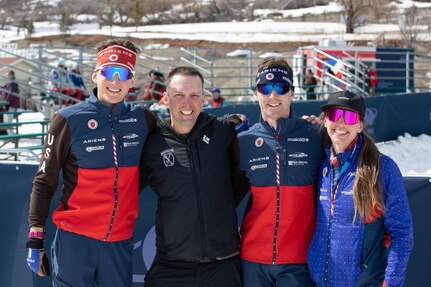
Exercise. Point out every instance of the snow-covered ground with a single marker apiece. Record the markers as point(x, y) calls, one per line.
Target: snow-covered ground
point(261, 31)
point(412, 154)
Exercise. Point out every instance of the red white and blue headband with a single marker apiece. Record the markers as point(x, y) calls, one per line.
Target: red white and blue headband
point(116, 55)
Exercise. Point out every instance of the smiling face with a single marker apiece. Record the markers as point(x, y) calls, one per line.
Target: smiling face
point(274, 106)
point(112, 91)
point(342, 134)
point(185, 100)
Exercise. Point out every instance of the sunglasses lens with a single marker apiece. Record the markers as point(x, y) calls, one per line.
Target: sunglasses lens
point(334, 114)
point(264, 89)
point(350, 118)
point(280, 89)
point(109, 72)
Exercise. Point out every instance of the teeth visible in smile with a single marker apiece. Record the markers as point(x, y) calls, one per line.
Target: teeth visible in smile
point(273, 105)
point(114, 90)
point(340, 132)
point(187, 113)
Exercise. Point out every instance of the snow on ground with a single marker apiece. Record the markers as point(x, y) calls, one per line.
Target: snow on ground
point(412, 154)
point(261, 31)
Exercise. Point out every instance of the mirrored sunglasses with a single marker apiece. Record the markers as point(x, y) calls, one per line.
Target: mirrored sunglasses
point(350, 118)
point(266, 89)
point(109, 72)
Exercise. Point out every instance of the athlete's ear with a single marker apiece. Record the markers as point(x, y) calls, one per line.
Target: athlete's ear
point(94, 77)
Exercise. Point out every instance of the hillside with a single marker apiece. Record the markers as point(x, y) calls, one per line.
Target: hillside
point(279, 20)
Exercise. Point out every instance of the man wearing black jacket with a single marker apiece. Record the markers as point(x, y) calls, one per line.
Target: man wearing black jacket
point(191, 162)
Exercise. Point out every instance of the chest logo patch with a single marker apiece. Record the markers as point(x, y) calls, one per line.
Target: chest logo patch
point(324, 171)
point(92, 124)
point(258, 142)
point(206, 139)
point(168, 157)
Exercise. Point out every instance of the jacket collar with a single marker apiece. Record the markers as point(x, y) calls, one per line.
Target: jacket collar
point(116, 109)
point(283, 124)
point(201, 122)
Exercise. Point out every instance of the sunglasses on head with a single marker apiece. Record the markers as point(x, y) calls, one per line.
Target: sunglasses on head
point(279, 88)
point(350, 118)
point(109, 72)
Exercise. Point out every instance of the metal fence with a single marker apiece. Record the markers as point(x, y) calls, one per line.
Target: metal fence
point(233, 71)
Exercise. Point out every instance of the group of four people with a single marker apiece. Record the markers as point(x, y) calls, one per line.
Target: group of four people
point(201, 170)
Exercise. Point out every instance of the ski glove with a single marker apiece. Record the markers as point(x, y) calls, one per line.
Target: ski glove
point(36, 258)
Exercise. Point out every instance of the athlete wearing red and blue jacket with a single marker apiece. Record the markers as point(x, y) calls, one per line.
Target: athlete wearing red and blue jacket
point(98, 147)
point(281, 156)
point(96, 144)
point(280, 220)
point(348, 253)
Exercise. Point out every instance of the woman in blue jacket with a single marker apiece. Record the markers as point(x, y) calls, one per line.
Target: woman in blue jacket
point(364, 232)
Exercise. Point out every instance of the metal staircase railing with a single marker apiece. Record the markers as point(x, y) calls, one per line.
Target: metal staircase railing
point(349, 80)
point(194, 62)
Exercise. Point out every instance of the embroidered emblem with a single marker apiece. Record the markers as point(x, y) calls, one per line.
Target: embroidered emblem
point(325, 171)
point(206, 139)
point(168, 157)
point(92, 124)
point(258, 142)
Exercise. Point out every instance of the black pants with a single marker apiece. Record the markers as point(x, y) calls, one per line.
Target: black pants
point(223, 273)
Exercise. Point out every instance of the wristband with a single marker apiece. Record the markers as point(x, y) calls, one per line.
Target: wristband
point(36, 234)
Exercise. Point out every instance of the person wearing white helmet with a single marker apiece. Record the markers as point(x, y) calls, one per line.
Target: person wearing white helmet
point(59, 79)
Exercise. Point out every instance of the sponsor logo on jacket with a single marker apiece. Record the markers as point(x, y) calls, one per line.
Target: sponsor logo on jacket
point(347, 192)
point(130, 144)
point(168, 157)
point(256, 159)
point(129, 120)
point(259, 166)
point(297, 162)
point(206, 139)
point(298, 139)
point(94, 148)
point(298, 155)
point(94, 140)
point(130, 136)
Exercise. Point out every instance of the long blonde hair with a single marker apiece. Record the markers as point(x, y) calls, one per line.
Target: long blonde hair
point(367, 191)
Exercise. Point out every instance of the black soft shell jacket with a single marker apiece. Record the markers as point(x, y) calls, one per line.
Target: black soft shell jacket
point(198, 182)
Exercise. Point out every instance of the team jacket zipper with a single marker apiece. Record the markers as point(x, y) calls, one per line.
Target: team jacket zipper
point(114, 146)
point(277, 215)
point(199, 201)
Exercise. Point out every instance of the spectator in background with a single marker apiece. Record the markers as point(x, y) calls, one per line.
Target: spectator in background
point(216, 100)
point(155, 87)
point(59, 79)
point(328, 82)
point(75, 77)
point(372, 75)
point(310, 84)
point(10, 92)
